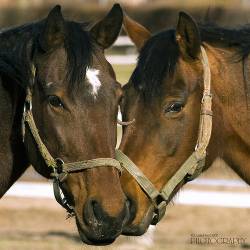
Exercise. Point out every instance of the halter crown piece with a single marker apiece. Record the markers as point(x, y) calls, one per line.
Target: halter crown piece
point(192, 167)
point(60, 170)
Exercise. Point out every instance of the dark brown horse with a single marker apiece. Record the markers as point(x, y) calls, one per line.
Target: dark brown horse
point(75, 99)
point(164, 96)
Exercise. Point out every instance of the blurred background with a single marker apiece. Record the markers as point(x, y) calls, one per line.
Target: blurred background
point(216, 204)
point(155, 14)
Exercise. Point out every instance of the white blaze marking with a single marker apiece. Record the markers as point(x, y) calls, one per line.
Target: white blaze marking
point(94, 81)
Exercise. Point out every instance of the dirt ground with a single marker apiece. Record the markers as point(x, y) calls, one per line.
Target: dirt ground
point(40, 224)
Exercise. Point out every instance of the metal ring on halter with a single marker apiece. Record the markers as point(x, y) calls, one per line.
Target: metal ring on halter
point(58, 169)
point(59, 161)
point(61, 175)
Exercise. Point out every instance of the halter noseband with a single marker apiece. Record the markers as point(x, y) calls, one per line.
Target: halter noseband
point(192, 167)
point(60, 170)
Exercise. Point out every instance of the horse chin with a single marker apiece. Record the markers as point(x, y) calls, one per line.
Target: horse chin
point(92, 242)
point(87, 236)
point(141, 228)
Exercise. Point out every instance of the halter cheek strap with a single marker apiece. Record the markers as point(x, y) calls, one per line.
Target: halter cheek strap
point(192, 167)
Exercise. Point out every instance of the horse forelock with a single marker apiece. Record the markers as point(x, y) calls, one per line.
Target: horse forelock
point(16, 62)
point(157, 59)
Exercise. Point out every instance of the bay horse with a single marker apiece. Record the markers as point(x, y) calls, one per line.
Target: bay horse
point(56, 71)
point(169, 97)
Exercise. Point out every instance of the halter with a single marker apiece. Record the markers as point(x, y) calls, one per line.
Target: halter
point(60, 170)
point(192, 167)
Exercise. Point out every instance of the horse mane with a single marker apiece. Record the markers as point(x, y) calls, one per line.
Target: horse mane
point(14, 60)
point(227, 37)
point(79, 47)
point(16, 57)
point(159, 56)
point(157, 59)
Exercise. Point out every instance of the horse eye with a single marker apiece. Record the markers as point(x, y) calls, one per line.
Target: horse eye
point(55, 101)
point(175, 107)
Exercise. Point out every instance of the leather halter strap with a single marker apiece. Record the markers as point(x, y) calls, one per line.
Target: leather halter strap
point(60, 170)
point(192, 167)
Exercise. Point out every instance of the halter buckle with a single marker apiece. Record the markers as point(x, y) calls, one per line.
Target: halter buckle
point(196, 171)
point(27, 106)
point(206, 95)
point(159, 212)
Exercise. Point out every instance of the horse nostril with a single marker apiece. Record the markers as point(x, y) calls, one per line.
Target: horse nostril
point(100, 224)
point(93, 212)
point(97, 210)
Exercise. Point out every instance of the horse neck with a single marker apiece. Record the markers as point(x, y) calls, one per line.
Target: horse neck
point(12, 153)
point(230, 136)
point(10, 38)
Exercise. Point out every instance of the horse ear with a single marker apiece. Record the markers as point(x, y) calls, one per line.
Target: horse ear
point(53, 32)
point(107, 30)
point(137, 33)
point(188, 36)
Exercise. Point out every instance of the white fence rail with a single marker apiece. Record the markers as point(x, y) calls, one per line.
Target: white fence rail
point(123, 41)
point(185, 196)
point(121, 58)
